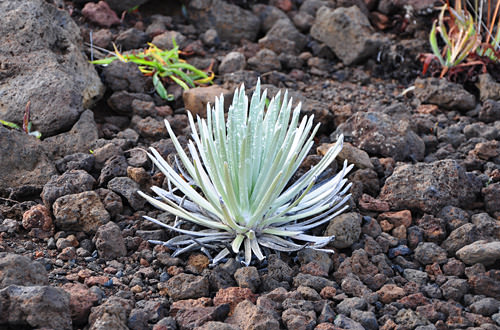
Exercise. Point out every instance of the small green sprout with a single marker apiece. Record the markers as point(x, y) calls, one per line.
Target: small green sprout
point(162, 64)
point(236, 183)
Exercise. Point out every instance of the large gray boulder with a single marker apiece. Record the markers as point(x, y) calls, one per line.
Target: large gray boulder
point(347, 31)
point(42, 62)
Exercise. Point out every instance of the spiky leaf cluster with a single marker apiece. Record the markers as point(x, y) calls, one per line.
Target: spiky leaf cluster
point(235, 184)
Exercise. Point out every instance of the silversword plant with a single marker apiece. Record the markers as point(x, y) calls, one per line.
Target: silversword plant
point(235, 185)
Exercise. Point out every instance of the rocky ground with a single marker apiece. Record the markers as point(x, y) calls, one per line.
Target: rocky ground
point(419, 248)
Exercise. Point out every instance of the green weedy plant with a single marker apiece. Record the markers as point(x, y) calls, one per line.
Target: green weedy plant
point(160, 65)
point(235, 187)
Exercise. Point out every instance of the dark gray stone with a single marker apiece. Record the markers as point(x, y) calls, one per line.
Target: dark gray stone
point(383, 135)
point(248, 277)
point(297, 319)
point(52, 72)
point(112, 314)
point(121, 5)
point(121, 76)
point(348, 305)
point(115, 166)
point(428, 253)
point(79, 138)
point(345, 322)
point(268, 16)
point(485, 306)
point(127, 188)
point(109, 241)
point(444, 94)
point(24, 161)
point(347, 31)
point(346, 228)
point(187, 286)
point(430, 187)
point(454, 289)
point(490, 111)
point(489, 89)
point(233, 61)
point(78, 161)
point(231, 22)
point(366, 319)
point(132, 39)
point(35, 307)
point(264, 61)
point(315, 282)
point(284, 30)
point(74, 181)
point(20, 270)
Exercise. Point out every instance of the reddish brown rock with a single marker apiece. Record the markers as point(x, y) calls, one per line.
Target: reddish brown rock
point(483, 284)
point(81, 300)
point(233, 296)
point(477, 319)
point(68, 253)
point(313, 268)
point(246, 313)
point(96, 280)
point(369, 203)
point(100, 13)
point(187, 286)
point(38, 221)
point(386, 226)
point(389, 325)
point(414, 300)
point(328, 292)
point(139, 175)
point(399, 232)
point(486, 150)
point(433, 270)
point(397, 218)
point(197, 263)
point(197, 316)
point(434, 228)
point(430, 312)
point(196, 99)
point(458, 322)
point(389, 293)
point(327, 326)
point(188, 304)
point(454, 267)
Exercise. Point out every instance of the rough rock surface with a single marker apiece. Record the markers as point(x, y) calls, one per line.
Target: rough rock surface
point(20, 270)
point(444, 94)
point(430, 187)
point(52, 73)
point(79, 138)
point(83, 212)
point(216, 14)
point(382, 135)
point(24, 160)
point(35, 306)
point(71, 182)
point(347, 31)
